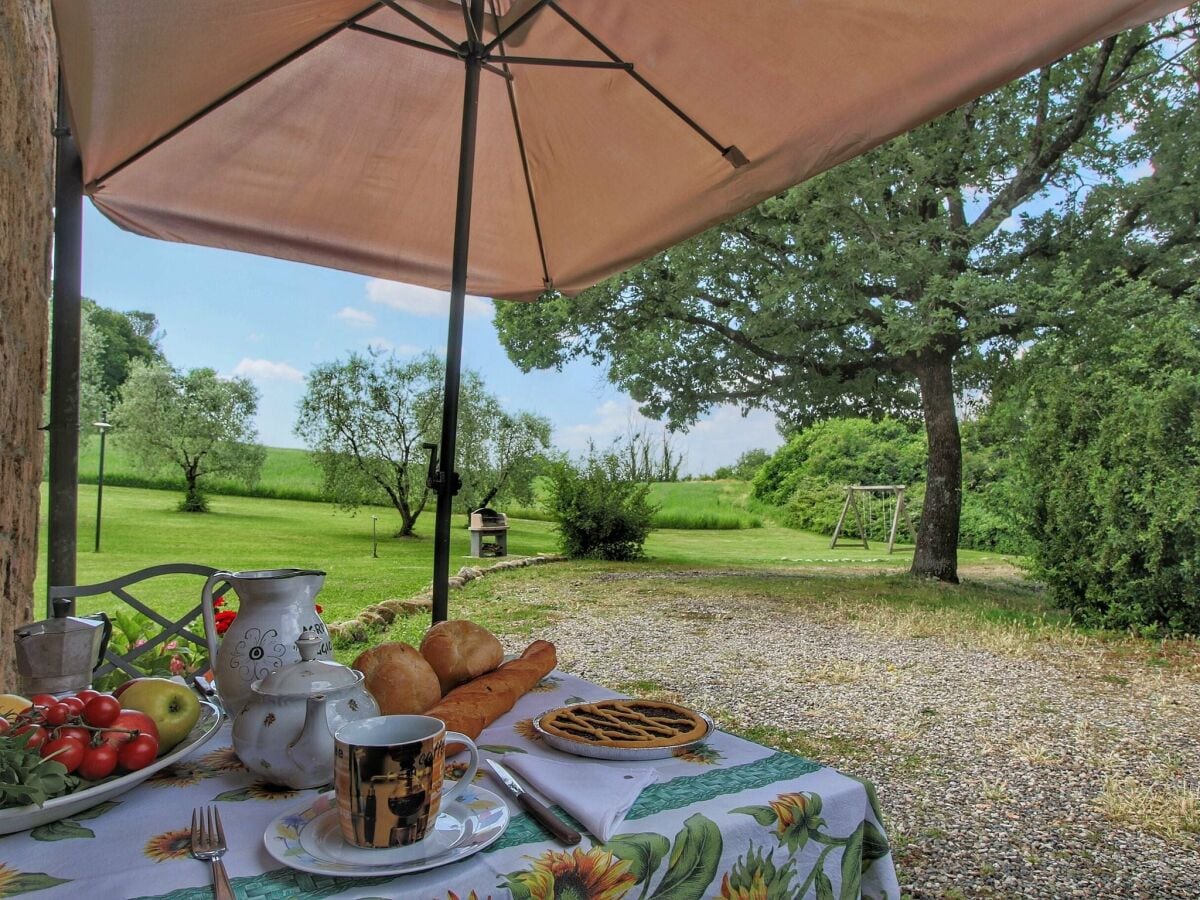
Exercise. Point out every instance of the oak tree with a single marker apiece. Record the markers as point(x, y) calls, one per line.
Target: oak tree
point(892, 283)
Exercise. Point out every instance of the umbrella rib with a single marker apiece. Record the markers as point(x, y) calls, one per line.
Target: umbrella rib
point(521, 20)
point(98, 183)
point(568, 63)
point(732, 154)
point(406, 41)
point(431, 48)
point(512, 103)
point(421, 23)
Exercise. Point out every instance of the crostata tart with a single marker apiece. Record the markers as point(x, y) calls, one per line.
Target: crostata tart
point(630, 724)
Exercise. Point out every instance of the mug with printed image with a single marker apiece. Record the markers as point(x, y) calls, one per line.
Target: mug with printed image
point(388, 778)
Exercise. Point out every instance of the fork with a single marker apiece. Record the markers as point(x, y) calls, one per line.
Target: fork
point(208, 844)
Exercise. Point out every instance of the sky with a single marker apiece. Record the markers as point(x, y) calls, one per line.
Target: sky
point(272, 321)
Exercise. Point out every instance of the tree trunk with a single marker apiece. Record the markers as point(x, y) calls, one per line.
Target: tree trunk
point(26, 191)
point(936, 555)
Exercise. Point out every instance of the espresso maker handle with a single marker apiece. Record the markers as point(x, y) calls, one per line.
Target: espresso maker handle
point(105, 636)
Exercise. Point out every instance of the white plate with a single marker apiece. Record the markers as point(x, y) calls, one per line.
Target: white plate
point(307, 837)
point(623, 754)
point(23, 817)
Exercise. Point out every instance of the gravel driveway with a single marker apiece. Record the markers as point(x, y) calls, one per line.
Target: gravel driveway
point(1005, 766)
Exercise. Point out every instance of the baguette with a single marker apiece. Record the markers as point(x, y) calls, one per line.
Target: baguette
point(478, 703)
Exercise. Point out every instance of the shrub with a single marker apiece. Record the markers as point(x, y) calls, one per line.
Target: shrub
point(839, 452)
point(601, 513)
point(1111, 468)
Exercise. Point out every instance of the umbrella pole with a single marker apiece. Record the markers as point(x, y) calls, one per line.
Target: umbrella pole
point(64, 354)
point(446, 479)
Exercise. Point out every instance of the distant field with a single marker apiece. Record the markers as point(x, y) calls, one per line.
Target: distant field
point(287, 474)
point(290, 474)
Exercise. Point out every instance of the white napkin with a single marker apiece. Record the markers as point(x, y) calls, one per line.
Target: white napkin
point(598, 796)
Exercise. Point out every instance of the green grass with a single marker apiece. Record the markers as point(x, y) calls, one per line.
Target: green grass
point(287, 474)
point(290, 474)
point(142, 528)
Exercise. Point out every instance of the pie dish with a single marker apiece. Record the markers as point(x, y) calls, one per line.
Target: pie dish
point(623, 728)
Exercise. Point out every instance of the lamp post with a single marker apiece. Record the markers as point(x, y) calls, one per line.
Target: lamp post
point(103, 426)
point(374, 539)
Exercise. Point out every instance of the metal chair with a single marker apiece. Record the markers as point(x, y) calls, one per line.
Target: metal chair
point(179, 629)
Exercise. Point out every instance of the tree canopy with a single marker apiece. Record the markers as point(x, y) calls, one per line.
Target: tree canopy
point(367, 419)
point(195, 420)
point(895, 281)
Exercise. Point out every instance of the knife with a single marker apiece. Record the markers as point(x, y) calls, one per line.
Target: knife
point(535, 807)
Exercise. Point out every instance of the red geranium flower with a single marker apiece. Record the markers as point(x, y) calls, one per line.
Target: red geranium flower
point(224, 619)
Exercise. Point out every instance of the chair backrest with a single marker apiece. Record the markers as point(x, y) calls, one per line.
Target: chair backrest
point(178, 630)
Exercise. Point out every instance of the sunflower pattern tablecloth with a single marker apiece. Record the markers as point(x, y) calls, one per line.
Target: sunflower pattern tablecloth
point(727, 819)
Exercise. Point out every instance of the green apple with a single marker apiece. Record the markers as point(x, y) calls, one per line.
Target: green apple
point(172, 706)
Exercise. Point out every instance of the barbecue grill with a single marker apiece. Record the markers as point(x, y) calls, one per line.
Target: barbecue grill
point(487, 523)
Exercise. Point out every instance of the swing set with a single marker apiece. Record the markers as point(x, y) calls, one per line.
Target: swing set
point(864, 498)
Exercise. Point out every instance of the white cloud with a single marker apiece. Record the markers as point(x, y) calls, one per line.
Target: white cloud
point(265, 370)
point(356, 316)
point(421, 301)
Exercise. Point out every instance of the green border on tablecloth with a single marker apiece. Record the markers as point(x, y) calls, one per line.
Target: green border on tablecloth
point(290, 884)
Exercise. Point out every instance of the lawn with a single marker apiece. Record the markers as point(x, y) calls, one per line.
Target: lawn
point(142, 528)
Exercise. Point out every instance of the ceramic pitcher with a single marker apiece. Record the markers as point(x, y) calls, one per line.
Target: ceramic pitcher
point(274, 607)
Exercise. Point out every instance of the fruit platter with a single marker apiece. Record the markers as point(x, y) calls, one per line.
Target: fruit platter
point(62, 755)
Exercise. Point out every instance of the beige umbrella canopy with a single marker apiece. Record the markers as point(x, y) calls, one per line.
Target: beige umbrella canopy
point(331, 131)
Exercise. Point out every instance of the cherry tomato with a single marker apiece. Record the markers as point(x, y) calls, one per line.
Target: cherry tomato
point(129, 721)
point(57, 714)
point(102, 711)
point(87, 694)
point(4, 724)
point(98, 762)
point(75, 703)
point(66, 751)
point(43, 699)
point(74, 733)
point(138, 753)
point(38, 738)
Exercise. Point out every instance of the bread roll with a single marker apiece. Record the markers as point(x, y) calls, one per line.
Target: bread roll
point(399, 679)
point(459, 651)
point(479, 703)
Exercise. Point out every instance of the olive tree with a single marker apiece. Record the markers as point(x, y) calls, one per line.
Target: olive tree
point(367, 419)
point(195, 421)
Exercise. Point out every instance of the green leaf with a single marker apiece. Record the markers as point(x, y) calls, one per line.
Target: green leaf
point(516, 887)
point(645, 851)
point(824, 886)
point(694, 861)
point(236, 794)
point(763, 815)
point(501, 748)
point(875, 844)
point(31, 881)
point(96, 811)
point(62, 830)
point(852, 865)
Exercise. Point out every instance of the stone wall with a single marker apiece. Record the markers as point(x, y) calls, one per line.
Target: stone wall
point(27, 90)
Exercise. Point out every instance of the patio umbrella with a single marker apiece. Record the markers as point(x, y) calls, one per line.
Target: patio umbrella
point(563, 140)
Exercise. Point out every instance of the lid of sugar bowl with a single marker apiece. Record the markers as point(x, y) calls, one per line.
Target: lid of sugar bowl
point(310, 675)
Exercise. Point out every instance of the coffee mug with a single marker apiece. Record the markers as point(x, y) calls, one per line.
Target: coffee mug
point(388, 778)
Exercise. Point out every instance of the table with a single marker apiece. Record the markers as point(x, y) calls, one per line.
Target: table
point(740, 821)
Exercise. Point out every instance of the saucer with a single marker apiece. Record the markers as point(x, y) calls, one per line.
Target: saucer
point(307, 837)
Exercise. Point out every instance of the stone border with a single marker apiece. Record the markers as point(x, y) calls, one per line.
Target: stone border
point(379, 616)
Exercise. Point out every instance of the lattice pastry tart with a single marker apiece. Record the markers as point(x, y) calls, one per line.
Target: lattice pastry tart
point(630, 724)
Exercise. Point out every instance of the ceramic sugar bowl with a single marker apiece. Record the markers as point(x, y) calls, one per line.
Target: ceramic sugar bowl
point(284, 733)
